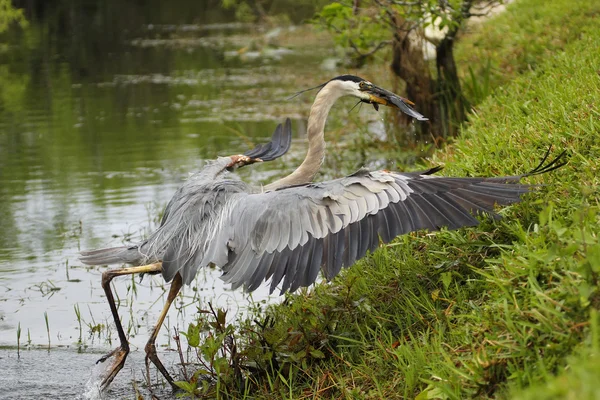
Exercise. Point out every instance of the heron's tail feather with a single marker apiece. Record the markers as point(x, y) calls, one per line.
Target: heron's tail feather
point(111, 255)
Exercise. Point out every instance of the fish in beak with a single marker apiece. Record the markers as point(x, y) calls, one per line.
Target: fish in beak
point(384, 97)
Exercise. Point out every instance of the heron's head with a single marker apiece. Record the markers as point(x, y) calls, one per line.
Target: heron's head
point(350, 85)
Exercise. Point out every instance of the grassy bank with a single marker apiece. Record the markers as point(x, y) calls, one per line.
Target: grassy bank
point(520, 39)
point(505, 310)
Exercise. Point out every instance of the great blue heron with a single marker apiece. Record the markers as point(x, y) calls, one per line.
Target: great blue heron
point(197, 200)
point(292, 228)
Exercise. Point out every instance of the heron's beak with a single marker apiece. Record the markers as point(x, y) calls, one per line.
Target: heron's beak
point(384, 97)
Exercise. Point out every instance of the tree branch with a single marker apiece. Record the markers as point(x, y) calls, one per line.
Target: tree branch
point(379, 46)
point(405, 3)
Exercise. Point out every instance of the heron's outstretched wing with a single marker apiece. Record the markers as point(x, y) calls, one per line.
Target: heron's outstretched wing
point(278, 146)
point(292, 233)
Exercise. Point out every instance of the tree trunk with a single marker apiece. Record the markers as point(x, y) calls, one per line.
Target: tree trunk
point(451, 103)
point(440, 99)
point(409, 64)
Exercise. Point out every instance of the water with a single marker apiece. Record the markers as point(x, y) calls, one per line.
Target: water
point(63, 374)
point(102, 115)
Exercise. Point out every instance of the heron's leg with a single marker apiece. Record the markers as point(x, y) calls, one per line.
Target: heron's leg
point(120, 352)
point(150, 348)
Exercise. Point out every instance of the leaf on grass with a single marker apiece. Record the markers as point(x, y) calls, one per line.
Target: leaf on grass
point(317, 353)
point(432, 392)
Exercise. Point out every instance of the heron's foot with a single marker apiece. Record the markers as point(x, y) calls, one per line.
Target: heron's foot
point(107, 356)
point(151, 356)
point(120, 354)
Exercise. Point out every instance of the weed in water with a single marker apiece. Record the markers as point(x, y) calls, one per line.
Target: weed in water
point(19, 340)
point(78, 315)
point(47, 288)
point(180, 352)
point(67, 273)
point(47, 328)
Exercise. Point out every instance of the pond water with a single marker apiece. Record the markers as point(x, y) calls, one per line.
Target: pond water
point(104, 110)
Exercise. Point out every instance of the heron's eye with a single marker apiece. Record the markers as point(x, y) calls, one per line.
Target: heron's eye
point(364, 85)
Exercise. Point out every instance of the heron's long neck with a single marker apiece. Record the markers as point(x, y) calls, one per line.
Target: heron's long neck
point(316, 141)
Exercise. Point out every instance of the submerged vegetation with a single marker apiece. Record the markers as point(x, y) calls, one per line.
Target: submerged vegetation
point(508, 309)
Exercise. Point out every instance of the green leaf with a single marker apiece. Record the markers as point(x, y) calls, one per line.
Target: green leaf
point(221, 316)
point(432, 392)
point(446, 279)
point(186, 386)
point(193, 335)
point(221, 365)
point(317, 353)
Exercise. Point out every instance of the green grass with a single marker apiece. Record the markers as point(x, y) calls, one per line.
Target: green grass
point(520, 40)
point(504, 310)
point(578, 380)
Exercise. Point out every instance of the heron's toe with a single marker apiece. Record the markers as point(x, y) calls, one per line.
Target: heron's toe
point(120, 354)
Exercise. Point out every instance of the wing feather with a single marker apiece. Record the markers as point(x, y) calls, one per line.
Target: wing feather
point(278, 268)
point(315, 261)
point(290, 271)
point(303, 260)
point(261, 271)
point(354, 238)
